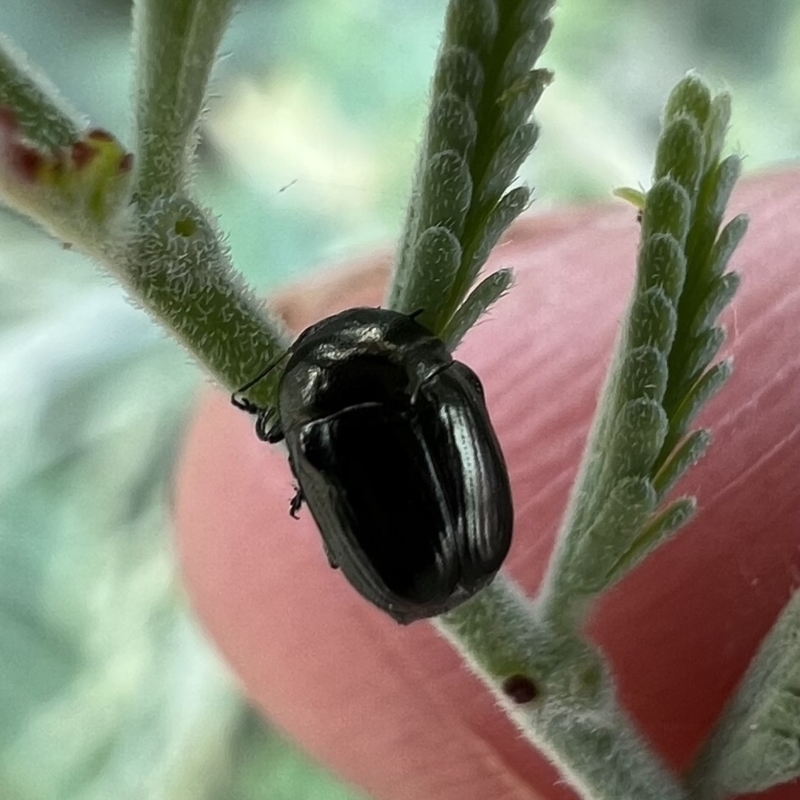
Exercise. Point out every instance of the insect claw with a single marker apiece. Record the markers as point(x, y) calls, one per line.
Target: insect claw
point(296, 503)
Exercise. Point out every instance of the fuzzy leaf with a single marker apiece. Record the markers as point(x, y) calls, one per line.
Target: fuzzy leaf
point(629, 504)
point(667, 210)
point(484, 295)
point(727, 241)
point(713, 199)
point(636, 197)
point(716, 128)
point(437, 256)
point(690, 98)
point(685, 456)
point(508, 208)
point(472, 24)
point(452, 126)
point(662, 263)
point(446, 193)
point(656, 532)
point(652, 320)
point(518, 100)
point(702, 391)
point(638, 434)
point(756, 742)
point(701, 352)
point(680, 153)
point(643, 373)
point(524, 53)
point(459, 72)
point(506, 161)
point(719, 294)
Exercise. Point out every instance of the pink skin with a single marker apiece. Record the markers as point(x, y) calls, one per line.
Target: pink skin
point(391, 708)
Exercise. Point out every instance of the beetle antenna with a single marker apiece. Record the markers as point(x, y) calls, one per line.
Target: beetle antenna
point(245, 404)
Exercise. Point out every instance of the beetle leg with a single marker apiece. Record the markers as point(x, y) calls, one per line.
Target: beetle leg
point(296, 503)
point(268, 433)
point(274, 434)
point(243, 404)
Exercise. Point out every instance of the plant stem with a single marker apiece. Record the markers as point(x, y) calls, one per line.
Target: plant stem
point(176, 44)
point(573, 718)
point(42, 116)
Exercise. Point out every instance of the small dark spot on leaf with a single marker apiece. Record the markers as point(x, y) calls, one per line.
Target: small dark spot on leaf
point(185, 227)
point(520, 688)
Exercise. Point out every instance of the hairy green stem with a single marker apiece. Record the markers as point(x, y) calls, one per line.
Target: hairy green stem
point(176, 46)
point(176, 265)
point(569, 709)
point(42, 116)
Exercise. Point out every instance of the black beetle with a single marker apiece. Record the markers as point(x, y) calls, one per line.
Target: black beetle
point(391, 445)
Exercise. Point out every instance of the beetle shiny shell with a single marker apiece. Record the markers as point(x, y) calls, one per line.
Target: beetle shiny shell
point(394, 453)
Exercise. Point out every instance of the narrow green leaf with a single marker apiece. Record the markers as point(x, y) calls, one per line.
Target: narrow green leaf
point(661, 528)
point(727, 241)
point(667, 210)
point(715, 192)
point(451, 126)
point(701, 351)
point(643, 373)
point(524, 53)
point(705, 388)
point(686, 455)
point(662, 263)
point(459, 71)
point(472, 24)
point(484, 295)
point(680, 154)
point(720, 293)
point(518, 101)
point(505, 163)
point(630, 502)
point(652, 320)
point(638, 435)
point(716, 128)
point(636, 197)
point(485, 88)
point(437, 256)
point(690, 98)
point(508, 208)
point(756, 742)
point(529, 13)
point(446, 192)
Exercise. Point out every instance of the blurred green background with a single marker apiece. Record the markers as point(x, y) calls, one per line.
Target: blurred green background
point(107, 687)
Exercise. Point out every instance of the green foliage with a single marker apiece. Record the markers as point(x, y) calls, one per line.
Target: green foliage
point(662, 374)
point(756, 743)
point(167, 250)
point(478, 134)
